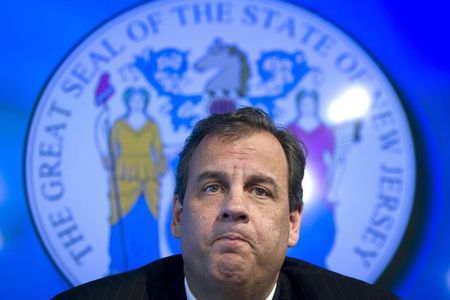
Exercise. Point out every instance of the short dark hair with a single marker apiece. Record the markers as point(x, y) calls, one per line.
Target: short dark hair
point(236, 125)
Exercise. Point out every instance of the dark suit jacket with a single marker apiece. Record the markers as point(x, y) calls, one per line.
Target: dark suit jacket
point(164, 279)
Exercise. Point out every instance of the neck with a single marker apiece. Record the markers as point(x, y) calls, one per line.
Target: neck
point(211, 289)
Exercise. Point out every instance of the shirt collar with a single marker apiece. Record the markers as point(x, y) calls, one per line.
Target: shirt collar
point(190, 296)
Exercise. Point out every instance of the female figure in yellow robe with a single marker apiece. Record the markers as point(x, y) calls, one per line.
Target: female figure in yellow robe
point(136, 163)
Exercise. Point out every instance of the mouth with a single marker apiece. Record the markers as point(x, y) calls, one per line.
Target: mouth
point(232, 237)
point(232, 240)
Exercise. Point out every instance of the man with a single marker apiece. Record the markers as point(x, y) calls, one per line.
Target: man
point(237, 208)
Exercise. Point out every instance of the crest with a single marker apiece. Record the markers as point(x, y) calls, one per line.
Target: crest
point(104, 139)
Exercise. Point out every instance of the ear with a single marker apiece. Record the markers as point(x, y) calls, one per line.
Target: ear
point(177, 210)
point(295, 218)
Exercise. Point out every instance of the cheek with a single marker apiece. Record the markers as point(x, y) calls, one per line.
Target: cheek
point(273, 229)
point(196, 225)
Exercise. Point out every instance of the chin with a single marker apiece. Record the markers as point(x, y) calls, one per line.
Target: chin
point(230, 268)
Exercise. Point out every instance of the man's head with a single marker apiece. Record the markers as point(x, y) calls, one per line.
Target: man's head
point(245, 122)
point(237, 205)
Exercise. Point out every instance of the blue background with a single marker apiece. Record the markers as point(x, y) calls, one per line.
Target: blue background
point(409, 40)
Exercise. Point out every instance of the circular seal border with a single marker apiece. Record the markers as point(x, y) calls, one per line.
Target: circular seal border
point(100, 28)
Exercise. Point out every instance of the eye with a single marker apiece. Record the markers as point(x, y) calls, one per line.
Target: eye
point(261, 192)
point(212, 188)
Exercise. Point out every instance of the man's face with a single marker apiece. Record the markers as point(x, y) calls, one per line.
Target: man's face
point(235, 223)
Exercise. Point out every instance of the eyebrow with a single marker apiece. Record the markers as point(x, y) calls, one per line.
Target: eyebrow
point(211, 175)
point(261, 178)
point(252, 179)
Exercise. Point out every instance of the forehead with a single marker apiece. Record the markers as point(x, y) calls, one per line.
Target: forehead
point(259, 152)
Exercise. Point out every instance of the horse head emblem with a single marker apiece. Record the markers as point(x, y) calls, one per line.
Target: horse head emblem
point(230, 80)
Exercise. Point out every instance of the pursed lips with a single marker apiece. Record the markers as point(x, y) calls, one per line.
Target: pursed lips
point(232, 237)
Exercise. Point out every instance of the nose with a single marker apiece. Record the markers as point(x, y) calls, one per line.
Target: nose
point(234, 208)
